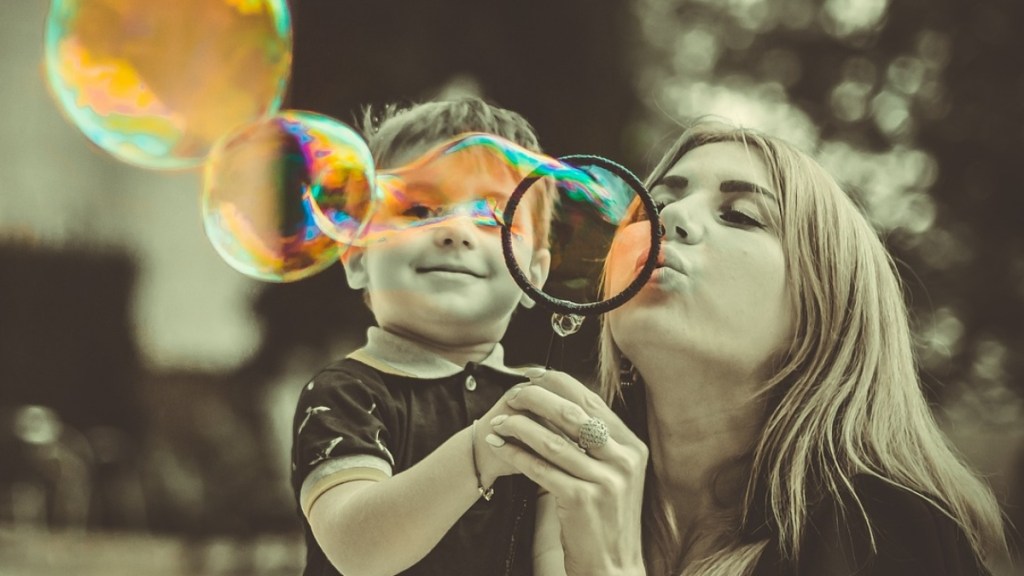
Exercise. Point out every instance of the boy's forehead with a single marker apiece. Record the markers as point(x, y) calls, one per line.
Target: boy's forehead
point(468, 172)
point(407, 155)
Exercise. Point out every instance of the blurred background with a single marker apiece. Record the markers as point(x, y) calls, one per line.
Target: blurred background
point(147, 389)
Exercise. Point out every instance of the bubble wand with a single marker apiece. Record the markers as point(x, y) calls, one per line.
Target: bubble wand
point(567, 316)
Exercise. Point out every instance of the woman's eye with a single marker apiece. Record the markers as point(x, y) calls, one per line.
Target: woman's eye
point(741, 218)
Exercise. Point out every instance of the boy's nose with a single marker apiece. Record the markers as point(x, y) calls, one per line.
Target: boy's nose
point(455, 232)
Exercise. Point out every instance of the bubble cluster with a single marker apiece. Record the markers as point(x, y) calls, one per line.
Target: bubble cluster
point(284, 196)
point(156, 84)
point(171, 85)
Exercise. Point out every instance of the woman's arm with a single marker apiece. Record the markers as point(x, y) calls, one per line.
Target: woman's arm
point(598, 494)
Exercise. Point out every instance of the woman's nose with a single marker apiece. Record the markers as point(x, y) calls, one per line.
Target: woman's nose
point(679, 223)
point(456, 231)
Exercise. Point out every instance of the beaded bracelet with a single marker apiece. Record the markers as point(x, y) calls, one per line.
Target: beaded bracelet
point(487, 493)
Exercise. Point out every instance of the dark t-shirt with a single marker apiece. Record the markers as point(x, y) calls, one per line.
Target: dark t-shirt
point(355, 417)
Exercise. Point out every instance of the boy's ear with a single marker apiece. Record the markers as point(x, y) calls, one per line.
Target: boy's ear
point(355, 269)
point(540, 265)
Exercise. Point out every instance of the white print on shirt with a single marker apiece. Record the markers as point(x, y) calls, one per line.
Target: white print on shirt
point(309, 412)
point(327, 451)
point(384, 448)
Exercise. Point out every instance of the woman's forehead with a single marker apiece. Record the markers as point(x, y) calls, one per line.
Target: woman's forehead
point(728, 160)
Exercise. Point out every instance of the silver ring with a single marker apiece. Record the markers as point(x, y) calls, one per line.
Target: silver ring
point(593, 434)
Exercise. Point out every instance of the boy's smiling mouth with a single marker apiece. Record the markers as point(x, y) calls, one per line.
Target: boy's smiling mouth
point(448, 269)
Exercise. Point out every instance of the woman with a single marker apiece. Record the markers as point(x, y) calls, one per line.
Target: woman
point(768, 369)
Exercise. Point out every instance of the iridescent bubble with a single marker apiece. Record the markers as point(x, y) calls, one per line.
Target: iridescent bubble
point(257, 203)
point(472, 175)
point(573, 206)
point(156, 83)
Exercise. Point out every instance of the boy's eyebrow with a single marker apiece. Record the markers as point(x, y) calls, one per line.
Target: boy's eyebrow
point(421, 193)
point(431, 193)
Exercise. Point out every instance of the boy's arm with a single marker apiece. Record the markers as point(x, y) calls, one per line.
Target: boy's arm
point(548, 556)
point(369, 528)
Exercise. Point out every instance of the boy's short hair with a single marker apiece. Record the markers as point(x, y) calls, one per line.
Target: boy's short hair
point(393, 129)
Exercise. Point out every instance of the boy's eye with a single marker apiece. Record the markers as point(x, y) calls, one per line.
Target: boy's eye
point(418, 211)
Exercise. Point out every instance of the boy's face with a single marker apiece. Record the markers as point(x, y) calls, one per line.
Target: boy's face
point(439, 273)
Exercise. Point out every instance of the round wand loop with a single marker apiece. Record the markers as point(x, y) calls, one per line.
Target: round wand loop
point(593, 198)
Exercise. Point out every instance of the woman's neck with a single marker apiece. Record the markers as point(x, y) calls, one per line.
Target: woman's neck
point(702, 427)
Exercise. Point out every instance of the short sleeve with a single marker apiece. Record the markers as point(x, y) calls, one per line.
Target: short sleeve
point(343, 422)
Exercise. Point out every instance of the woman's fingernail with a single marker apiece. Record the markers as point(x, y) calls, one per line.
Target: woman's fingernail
point(495, 440)
point(498, 419)
point(535, 372)
point(512, 394)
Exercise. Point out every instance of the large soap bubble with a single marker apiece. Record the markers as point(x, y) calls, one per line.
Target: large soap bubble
point(573, 206)
point(471, 175)
point(157, 83)
point(257, 193)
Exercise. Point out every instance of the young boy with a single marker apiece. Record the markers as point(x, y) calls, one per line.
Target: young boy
point(389, 466)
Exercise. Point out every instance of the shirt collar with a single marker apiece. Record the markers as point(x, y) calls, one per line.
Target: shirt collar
point(396, 355)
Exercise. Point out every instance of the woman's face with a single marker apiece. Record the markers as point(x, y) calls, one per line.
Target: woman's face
point(720, 293)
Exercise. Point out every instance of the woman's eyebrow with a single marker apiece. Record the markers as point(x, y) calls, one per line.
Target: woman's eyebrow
point(743, 186)
point(674, 182)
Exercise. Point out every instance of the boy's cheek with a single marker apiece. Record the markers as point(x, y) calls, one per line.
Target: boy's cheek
point(346, 253)
point(522, 249)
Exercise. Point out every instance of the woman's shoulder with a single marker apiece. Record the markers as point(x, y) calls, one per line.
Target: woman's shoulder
point(886, 529)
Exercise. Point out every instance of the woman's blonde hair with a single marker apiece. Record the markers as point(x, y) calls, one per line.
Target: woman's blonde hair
point(846, 399)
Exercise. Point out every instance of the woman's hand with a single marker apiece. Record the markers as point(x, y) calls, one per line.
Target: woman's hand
point(489, 467)
point(598, 491)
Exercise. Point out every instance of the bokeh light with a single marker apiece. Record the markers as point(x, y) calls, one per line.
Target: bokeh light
point(156, 84)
